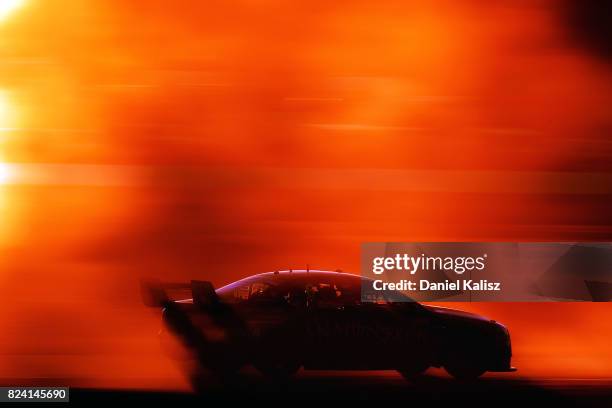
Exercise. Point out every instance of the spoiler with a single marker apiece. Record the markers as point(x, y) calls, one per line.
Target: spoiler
point(155, 293)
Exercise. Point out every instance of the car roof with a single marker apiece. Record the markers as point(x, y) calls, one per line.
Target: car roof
point(296, 273)
point(284, 276)
point(297, 276)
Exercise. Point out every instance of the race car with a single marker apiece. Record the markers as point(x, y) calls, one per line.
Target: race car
point(282, 321)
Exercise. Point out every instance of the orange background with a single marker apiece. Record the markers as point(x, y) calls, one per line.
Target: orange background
point(214, 140)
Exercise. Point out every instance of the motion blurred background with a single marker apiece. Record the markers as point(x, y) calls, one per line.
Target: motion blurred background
point(213, 140)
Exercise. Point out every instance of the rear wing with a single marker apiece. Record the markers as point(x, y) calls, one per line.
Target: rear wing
point(157, 294)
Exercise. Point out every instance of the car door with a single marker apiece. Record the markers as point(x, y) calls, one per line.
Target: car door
point(327, 330)
point(397, 334)
point(350, 334)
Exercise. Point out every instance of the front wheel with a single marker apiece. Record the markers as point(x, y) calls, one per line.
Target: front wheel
point(465, 370)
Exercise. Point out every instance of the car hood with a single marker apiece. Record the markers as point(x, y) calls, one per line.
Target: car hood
point(455, 314)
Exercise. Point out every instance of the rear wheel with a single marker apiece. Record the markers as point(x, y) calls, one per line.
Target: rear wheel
point(223, 360)
point(414, 372)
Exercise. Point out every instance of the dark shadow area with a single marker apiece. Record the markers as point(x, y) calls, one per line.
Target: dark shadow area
point(356, 389)
point(590, 24)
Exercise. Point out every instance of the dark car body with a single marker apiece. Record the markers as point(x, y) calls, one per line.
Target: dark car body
point(281, 321)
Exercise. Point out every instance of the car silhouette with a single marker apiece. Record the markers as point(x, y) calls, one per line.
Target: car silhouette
point(282, 321)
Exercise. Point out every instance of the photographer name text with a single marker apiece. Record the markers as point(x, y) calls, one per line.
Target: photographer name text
point(447, 285)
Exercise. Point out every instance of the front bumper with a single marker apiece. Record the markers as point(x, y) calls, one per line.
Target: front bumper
point(503, 370)
point(501, 357)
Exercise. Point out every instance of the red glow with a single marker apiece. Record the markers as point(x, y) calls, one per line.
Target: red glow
point(216, 141)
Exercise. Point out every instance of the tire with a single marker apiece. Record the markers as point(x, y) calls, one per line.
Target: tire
point(221, 360)
point(413, 373)
point(465, 370)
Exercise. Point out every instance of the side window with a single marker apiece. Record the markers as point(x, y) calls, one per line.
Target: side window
point(250, 292)
point(330, 295)
point(241, 293)
point(261, 291)
point(236, 292)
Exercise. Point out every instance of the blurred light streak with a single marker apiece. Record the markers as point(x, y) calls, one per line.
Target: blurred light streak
point(7, 112)
point(5, 173)
point(75, 174)
point(192, 134)
point(8, 6)
point(383, 180)
point(361, 127)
